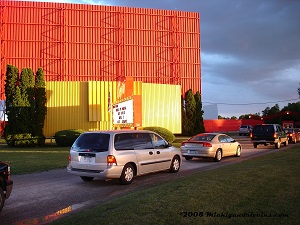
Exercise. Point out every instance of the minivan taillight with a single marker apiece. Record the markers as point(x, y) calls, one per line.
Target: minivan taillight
point(111, 160)
point(275, 135)
point(69, 158)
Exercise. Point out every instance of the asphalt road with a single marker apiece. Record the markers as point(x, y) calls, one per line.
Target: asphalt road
point(43, 197)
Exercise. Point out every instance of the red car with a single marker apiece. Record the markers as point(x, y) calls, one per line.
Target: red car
point(293, 134)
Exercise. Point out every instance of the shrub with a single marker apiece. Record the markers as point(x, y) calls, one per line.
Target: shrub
point(165, 133)
point(24, 140)
point(67, 137)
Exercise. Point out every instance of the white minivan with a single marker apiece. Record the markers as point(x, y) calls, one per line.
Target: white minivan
point(121, 154)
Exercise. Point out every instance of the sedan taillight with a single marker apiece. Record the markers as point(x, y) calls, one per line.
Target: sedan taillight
point(207, 144)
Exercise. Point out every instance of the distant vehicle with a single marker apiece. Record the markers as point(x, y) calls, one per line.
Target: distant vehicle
point(121, 154)
point(293, 134)
point(245, 130)
point(212, 145)
point(268, 134)
point(6, 183)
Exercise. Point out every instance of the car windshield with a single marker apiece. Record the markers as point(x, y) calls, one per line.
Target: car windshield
point(203, 137)
point(288, 130)
point(263, 129)
point(94, 142)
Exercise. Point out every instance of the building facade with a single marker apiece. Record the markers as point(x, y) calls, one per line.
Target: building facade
point(79, 46)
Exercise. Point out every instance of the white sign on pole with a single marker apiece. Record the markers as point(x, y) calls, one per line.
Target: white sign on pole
point(123, 113)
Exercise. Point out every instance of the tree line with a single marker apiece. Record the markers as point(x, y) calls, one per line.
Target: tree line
point(25, 106)
point(192, 114)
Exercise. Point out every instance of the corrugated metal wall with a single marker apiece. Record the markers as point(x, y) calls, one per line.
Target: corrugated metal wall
point(77, 42)
point(162, 106)
point(84, 105)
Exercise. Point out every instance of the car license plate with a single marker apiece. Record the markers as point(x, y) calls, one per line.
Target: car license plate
point(87, 159)
point(192, 152)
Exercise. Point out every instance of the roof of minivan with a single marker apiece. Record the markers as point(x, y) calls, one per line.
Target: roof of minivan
point(120, 131)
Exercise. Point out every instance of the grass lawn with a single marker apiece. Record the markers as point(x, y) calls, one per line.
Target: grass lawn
point(264, 190)
point(34, 159)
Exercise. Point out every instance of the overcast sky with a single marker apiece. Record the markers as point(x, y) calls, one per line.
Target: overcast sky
point(250, 50)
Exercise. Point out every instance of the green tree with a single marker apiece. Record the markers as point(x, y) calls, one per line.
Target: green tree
point(27, 95)
point(12, 76)
point(40, 103)
point(271, 111)
point(184, 120)
point(199, 124)
point(19, 120)
point(26, 107)
point(190, 108)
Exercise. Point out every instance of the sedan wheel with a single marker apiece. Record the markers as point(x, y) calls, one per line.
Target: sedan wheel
point(218, 156)
point(175, 165)
point(188, 157)
point(127, 174)
point(238, 151)
point(86, 178)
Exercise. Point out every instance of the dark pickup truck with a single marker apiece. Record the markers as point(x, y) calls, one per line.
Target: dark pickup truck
point(6, 183)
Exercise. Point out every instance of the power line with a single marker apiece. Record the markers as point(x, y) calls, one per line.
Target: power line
point(253, 103)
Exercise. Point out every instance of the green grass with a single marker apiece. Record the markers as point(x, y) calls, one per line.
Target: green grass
point(267, 186)
point(34, 159)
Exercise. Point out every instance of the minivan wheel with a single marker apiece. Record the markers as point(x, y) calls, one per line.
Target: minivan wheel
point(175, 165)
point(87, 178)
point(2, 199)
point(218, 156)
point(127, 174)
point(277, 145)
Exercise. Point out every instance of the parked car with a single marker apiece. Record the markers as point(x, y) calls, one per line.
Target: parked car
point(266, 134)
point(245, 130)
point(293, 134)
point(121, 154)
point(212, 145)
point(6, 184)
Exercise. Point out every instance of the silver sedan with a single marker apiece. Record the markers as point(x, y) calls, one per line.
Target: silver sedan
point(212, 145)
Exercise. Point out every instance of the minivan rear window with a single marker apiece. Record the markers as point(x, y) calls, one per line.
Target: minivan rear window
point(94, 142)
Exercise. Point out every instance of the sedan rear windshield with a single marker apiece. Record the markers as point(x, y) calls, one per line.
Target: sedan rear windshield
point(203, 137)
point(94, 142)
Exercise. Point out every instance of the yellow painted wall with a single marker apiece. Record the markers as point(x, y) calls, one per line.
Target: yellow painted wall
point(84, 105)
point(162, 106)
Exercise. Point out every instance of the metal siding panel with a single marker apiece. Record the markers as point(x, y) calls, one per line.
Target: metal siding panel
point(163, 113)
point(67, 104)
point(67, 40)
